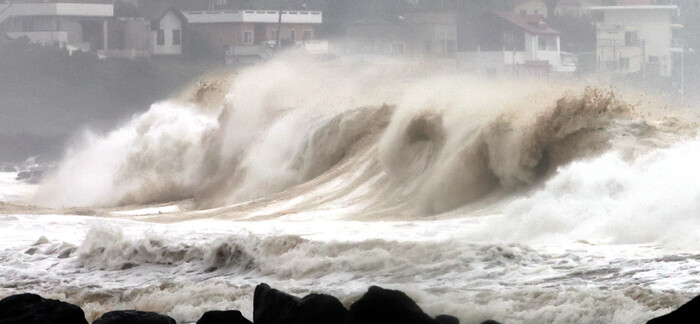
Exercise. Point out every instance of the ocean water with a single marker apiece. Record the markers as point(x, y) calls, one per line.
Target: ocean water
point(525, 202)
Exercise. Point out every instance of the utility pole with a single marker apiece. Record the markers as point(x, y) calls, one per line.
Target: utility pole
point(279, 29)
point(682, 41)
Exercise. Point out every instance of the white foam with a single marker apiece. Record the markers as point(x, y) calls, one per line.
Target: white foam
point(651, 199)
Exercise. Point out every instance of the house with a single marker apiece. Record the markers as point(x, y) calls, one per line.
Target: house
point(582, 8)
point(531, 7)
point(74, 25)
point(251, 35)
point(419, 33)
point(167, 26)
point(638, 38)
point(512, 42)
point(576, 8)
point(156, 29)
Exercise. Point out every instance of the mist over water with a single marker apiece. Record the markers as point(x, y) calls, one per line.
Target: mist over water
point(521, 201)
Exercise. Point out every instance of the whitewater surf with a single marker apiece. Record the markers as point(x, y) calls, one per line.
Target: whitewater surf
point(526, 202)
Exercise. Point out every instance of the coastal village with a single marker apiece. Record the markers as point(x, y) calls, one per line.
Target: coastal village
point(641, 39)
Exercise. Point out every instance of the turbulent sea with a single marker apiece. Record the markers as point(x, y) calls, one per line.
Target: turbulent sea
point(525, 202)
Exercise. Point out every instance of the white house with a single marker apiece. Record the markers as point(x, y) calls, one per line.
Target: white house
point(513, 42)
point(637, 38)
point(77, 25)
point(166, 35)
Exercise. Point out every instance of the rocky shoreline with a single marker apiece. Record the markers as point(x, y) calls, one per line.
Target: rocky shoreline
point(271, 306)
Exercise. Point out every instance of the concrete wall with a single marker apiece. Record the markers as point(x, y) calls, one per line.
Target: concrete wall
point(223, 34)
point(36, 29)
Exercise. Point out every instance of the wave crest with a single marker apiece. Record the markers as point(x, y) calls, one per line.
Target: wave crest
point(289, 130)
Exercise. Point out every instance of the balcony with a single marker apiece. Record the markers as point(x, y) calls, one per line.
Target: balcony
point(254, 16)
point(56, 9)
point(676, 45)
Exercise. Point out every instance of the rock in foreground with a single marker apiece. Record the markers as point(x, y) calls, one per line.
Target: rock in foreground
point(384, 306)
point(33, 309)
point(271, 306)
point(223, 317)
point(133, 317)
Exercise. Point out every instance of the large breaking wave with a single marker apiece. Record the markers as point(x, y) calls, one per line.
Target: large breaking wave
point(386, 141)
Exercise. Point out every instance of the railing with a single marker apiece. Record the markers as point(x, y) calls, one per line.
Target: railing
point(260, 12)
point(259, 16)
point(56, 9)
point(127, 53)
point(43, 37)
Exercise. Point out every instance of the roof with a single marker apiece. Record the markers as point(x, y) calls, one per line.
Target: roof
point(640, 7)
point(533, 24)
point(156, 11)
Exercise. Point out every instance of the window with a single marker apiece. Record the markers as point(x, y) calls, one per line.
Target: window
point(247, 37)
point(27, 25)
point(160, 37)
point(398, 48)
point(177, 37)
point(598, 15)
point(611, 65)
point(631, 38)
point(214, 4)
point(273, 34)
point(542, 43)
point(653, 59)
point(624, 63)
point(307, 35)
point(292, 35)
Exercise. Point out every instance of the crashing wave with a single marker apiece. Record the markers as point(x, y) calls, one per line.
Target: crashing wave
point(401, 146)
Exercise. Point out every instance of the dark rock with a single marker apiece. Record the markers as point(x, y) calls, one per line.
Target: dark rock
point(383, 306)
point(317, 309)
point(446, 319)
point(33, 309)
point(133, 317)
point(688, 313)
point(223, 317)
point(271, 306)
point(490, 322)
